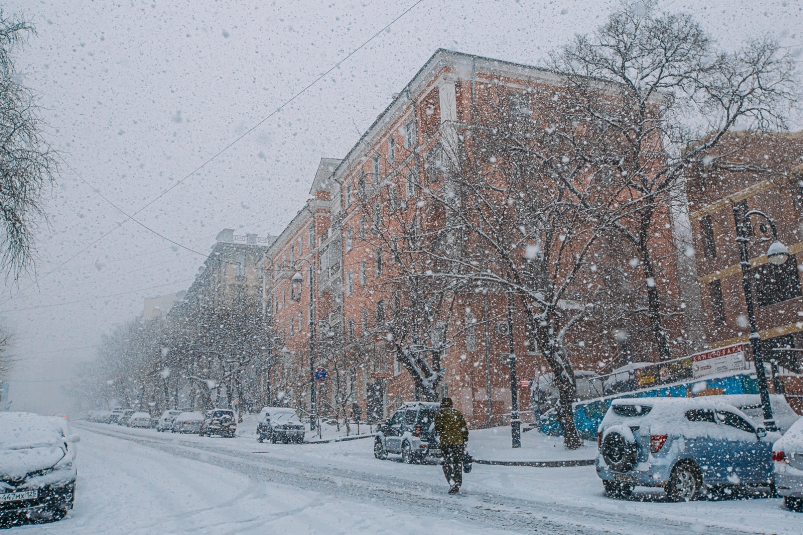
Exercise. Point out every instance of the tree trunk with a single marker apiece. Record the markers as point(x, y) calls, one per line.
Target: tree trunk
point(653, 297)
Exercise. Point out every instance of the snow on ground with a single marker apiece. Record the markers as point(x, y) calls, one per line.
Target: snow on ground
point(494, 444)
point(215, 485)
point(127, 488)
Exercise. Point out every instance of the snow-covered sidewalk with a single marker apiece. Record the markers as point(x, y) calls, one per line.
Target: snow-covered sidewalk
point(494, 444)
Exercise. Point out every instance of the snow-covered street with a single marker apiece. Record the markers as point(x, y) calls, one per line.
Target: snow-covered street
point(141, 481)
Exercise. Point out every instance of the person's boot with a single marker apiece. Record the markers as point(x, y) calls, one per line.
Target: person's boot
point(454, 490)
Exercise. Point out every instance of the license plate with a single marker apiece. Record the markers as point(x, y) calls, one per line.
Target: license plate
point(625, 478)
point(18, 496)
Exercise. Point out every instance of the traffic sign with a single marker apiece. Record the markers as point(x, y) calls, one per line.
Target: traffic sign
point(524, 383)
point(320, 374)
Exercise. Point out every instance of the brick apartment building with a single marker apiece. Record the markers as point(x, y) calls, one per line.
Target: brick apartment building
point(325, 269)
point(752, 172)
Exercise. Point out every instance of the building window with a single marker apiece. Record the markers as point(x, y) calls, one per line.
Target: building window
point(471, 335)
point(292, 326)
point(717, 304)
point(361, 184)
point(363, 276)
point(410, 180)
point(707, 234)
point(378, 262)
point(349, 283)
point(311, 236)
point(240, 267)
point(409, 134)
point(364, 321)
point(380, 312)
point(393, 194)
point(300, 320)
point(396, 254)
point(349, 239)
point(292, 256)
point(433, 164)
point(351, 330)
point(520, 106)
point(362, 226)
point(348, 195)
point(391, 150)
point(775, 284)
point(377, 215)
point(376, 168)
point(300, 246)
point(396, 304)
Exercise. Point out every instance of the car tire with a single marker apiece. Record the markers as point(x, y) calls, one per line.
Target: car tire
point(379, 450)
point(614, 489)
point(684, 483)
point(793, 504)
point(407, 453)
point(619, 453)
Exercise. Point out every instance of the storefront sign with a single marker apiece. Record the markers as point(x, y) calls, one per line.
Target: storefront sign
point(722, 360)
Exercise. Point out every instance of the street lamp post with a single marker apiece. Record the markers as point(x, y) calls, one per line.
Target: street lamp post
point(777, 254)
point(515, 422)
point(313, 412)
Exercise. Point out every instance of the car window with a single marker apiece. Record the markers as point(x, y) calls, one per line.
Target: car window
point(409, 417)
point(701, 415)
point(397, 418)
point(631, 411)
point(734, 420)
point(220, 414)
point(426, 417)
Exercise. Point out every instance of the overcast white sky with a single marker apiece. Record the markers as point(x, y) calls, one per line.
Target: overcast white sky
point(137, 94)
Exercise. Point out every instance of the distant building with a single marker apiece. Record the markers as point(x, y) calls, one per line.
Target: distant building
point(156, 307)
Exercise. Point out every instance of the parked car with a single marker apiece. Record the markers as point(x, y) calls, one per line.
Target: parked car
point(683, 445)
point(787, 454)
point(122, 419)
point(410, 433)
point(140, 419)
point(166, 420)
point(115, 416)
point(750, 404)
point(37, 467)
point(279, 424)
point(219, 422)
point(188, 422)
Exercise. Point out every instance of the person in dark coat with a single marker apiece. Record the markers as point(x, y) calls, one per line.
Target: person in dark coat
point(453, 432)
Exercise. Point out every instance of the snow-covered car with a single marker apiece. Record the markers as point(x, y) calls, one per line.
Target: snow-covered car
point(166, 420)
point(279, 424)
point(115, 416)
point(750, 404)
point(683, 445)
point(787, 454)
point(37, 467)
point(122, 419)
point(411, 433)
point(188, 422)
point(219, 422)
point(140, 419)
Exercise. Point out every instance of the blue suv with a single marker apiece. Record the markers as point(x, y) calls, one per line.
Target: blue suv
point(682, 445)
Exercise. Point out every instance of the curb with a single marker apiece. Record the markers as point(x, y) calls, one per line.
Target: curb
point(341, 439)
point(539, 464)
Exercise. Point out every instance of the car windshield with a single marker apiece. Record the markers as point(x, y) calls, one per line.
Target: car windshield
point(221, 414)
point(285, 418)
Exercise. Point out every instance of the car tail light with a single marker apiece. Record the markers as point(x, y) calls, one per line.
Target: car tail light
point(599, 439)
point(778, 456)
point(656, 443)
point(417, 432)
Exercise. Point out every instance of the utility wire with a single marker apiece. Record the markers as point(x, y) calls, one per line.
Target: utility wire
point(213, 157)
point(96, 298)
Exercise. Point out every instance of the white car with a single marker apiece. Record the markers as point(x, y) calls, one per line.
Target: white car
point(787, 454)
point(188, 422)
point(166, 420)
point(37, 467)
point(140, 419)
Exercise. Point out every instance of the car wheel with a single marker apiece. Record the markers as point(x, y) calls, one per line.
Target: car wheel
point(379, 450)
point(684, 483)
point(793, 504)
point(614, 489)
point(407, 453)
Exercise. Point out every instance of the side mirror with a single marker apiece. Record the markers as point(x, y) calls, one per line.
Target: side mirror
point(74, 438)
point(761, 432)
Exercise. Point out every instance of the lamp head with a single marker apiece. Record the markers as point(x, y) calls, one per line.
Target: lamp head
point(777, 253)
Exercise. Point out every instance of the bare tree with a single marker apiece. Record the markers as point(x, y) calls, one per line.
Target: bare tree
point(6, 359)
point(661, 96)
point(27, 163)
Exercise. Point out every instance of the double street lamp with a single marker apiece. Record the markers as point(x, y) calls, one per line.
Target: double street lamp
point(777, 254)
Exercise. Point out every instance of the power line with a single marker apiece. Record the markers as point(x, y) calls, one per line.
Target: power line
point(96, 298)
point(213, 157)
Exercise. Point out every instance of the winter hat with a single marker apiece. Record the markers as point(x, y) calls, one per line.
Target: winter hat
point(446, 402)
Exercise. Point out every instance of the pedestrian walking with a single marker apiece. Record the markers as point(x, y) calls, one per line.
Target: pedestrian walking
point(453, 432)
